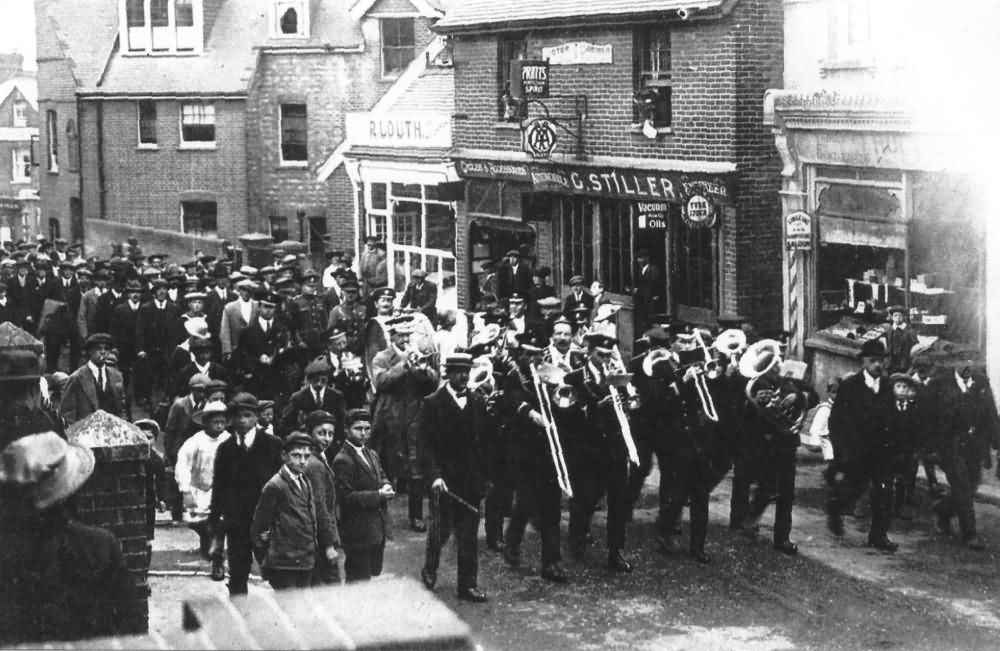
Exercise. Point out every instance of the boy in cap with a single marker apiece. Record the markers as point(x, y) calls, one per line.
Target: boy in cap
point(196, 465)
point(421, 296)
point(363, 492)
point(200, 364)
point(315, 395)
point(514, 276)
point(322, 428)
point(577, 298)
point(288, 528)
point(243, 464)
point(452, 432)
point(899, 341)
point(540, 289)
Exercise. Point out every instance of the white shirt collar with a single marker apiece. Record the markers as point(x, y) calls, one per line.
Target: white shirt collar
point(871, 382)
point(160, 304)
point(360, 449)
point(95, 370)
point(318, 394)
point(249, 437)
point(963, 384)
point(203, 369)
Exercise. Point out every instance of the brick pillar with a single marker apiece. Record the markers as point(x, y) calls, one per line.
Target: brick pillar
point(114, 497)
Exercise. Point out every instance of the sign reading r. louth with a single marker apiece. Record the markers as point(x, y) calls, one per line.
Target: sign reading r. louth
point(399, 129)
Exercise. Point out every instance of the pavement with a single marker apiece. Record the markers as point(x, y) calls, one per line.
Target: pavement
point(836, 594)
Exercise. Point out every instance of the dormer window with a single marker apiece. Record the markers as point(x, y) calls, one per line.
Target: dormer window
point(290, 19)
point(161, 26)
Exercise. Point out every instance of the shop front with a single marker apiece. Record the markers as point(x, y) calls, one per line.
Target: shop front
point(595, 221)
point(872, 223)
point(406, 191)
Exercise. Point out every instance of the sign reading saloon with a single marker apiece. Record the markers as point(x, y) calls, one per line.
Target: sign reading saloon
point(798, 231)
point(421, 129)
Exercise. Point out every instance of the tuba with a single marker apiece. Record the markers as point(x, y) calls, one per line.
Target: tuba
point(782, 404)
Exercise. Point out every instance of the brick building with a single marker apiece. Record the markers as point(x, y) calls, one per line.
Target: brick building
point(18, 130)
point(670, 154)
point(205, 120)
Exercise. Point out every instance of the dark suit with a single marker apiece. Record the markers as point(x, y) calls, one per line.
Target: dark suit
point(649, 294)
point(67, 331)
point(510, 280)
point(422, 298)
point(324, 484)
point(240, 476)
point(106, 305)
point(964, 426)
point(859, 428)
point(155, 335)
point(364, 516)
point(571, 302)
point(535, 294)
point(123, 331)
point(25, 299)
point(451, 449)
point(216, 371)
point(262, 380)
point(11, 312)
point(214, 305)
point(898, 344)
point(82, 396)
point(302, 403)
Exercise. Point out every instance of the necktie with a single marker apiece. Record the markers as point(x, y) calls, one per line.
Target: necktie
point(103, 380)
point(901, 404)
point(240, 442)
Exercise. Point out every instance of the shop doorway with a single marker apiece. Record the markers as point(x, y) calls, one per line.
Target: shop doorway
point(489, 240)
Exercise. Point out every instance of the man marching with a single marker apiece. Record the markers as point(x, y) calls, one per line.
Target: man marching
point(451, 428)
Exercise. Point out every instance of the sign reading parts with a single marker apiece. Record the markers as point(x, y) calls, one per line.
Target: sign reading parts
point(798, 231)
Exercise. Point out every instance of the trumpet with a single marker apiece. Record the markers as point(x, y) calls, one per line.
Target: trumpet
point(551, 431)
point(418, 359)
point(615, 380)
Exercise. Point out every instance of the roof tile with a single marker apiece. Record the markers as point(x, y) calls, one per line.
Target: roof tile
point(476, 13)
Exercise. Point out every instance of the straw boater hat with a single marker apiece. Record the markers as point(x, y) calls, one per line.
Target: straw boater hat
point(210, 409)
point(47, 467)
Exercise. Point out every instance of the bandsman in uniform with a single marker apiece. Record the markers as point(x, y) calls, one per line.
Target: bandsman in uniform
point(350, 317)
point(578, 297)
point(533, 470)
point(597, 455)
point(308, 318)
point(401, 380)
point(346, 370)
point(560, 351)
point(549, 309)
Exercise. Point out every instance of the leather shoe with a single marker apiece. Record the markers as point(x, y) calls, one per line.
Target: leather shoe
point(976, 543)
point(835, 523)
point(617, 562)
point(512, 556)
point(555, 573)
point(883, 544)
point(943, 521)
point(700, 556)
point(416, 524)
point(429, 578)
point(787, 547)
point(473, 595)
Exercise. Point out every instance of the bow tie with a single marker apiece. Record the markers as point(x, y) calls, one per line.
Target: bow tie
point(462, 394)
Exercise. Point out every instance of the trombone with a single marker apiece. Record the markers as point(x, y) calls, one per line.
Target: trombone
point(619, 406)
point(698, 372)
point(551, 432)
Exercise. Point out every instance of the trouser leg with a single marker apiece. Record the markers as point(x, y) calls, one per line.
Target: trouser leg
point(785, 487)
point(498, 504)
point(239, 551)
point(438, 531)
point(549, 514)
point(466, 534)
point(739, 501)
point(618, 503)
point(325, 572)
point(415, 499)
point(53, 349)
point(357, 563)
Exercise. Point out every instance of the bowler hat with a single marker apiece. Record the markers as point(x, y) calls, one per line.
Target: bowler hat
point(48, 467)
point(97, 339)
point(244, 400)
point(872, 348)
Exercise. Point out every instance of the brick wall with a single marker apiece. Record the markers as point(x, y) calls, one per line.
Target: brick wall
point(145, 187)
point(720, 70)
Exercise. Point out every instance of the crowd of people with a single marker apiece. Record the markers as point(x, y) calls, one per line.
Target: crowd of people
point(287, 427)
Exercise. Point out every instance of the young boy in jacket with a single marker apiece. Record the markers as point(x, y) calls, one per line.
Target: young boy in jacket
point(287, 523)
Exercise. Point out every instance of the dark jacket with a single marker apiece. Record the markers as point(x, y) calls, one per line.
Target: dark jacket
point(859, 419)
point(180, 427)
point(123, 332)
point(106, 304)
point(62, 580)
point(321, 477)
point(253, 343)
point(423, 299)
point(80, 397)
point(969, 417)
point(240, 476)
point(399, 390)
point(216, 371)
point(156, 329)
point(591, 425)
point(364, 514)
point(509, 281)
point(451, 441)
point(898, 344)
point(570, 303)
point(302, 403)
point(289, 513)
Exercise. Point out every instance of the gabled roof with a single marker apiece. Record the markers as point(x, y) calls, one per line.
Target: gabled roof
point(490, 15)
point(434, 90)
point(426, 8)
point(84, 32)
point(27, 85)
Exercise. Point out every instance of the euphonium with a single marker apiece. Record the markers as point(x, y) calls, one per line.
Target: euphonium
point(781, 405)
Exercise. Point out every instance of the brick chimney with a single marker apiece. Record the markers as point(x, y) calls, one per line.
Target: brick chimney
point(114, 497)
point(11, 63)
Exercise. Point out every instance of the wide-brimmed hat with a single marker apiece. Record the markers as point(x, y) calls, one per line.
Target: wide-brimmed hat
point(197, 327)
point(148, 424)
point(48, 467)
point(214, 408)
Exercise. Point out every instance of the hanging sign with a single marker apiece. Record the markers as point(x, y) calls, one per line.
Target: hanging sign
point(538, 138)
point(529, 78)
point(698, 212)
point(798, 231)
point(652, 215)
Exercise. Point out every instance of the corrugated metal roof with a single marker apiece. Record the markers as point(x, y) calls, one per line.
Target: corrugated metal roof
point(484, 13)
point(434, 90)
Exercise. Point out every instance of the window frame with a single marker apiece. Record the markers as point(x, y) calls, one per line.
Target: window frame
point(199, 232)
point(677, 229)
point(20, 162)
point(169, 43)
point(197, 144)
point(507, 47)
point(293, 162)
point(72, 146)
point(20, 106)
point(279, 233)
point(52, 141)
point(277, 11)
point(143, 144)
point(384, 46)
point(652, 76)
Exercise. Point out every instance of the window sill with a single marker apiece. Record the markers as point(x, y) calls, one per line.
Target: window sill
point(837, 65)
point(20, 181)
point(147, 146)
point(507, 126)
point(660, 131)
point(293, 165)
point(197, 146)
point(164, 53)
point(55, 171)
